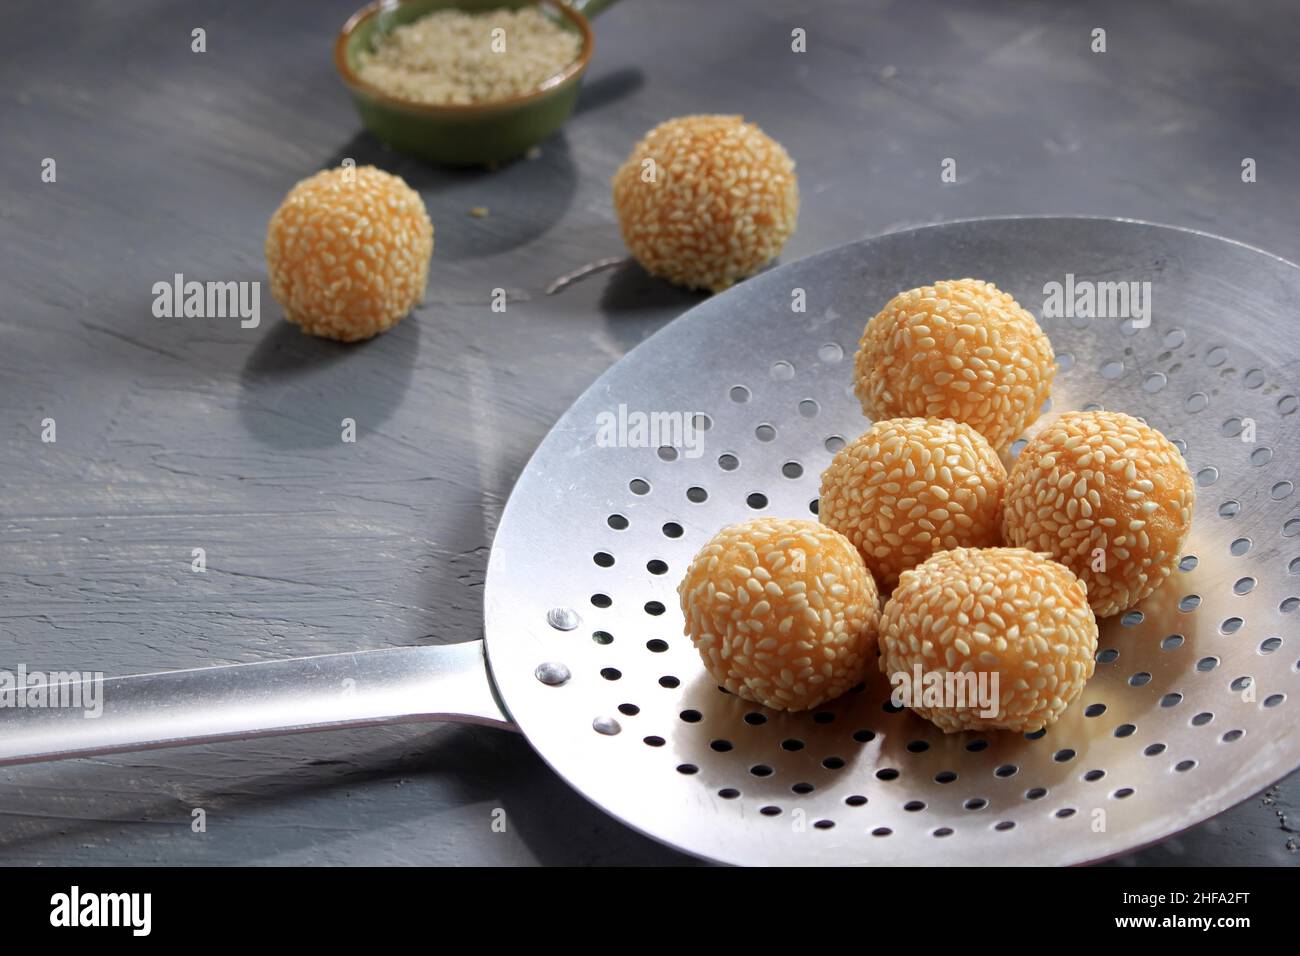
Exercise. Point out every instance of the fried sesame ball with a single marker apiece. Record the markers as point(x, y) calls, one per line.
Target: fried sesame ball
point(348, 252)
point(782, 611)
point(1003, 611)
point(1106, 495)
point(704, 201)
point(958, 349)
point(908, 487)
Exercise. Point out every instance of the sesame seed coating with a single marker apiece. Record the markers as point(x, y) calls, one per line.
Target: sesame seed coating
point(908, 487)
point(723, 201)
point(782, 611)
point(348, 252)
point(958, 349)
point(1003, 611)
point(1106, 495)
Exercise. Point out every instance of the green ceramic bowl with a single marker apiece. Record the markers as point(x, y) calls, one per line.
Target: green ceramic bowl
point(462, 135)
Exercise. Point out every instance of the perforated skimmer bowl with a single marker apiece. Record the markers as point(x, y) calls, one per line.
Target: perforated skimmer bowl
point(1192, 705)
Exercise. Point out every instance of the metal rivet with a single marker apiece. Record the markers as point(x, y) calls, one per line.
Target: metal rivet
point(553, 673)
point(563, 618)
point(606, 725)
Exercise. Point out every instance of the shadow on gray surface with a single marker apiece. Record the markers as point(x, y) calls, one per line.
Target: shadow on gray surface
point(635, 304)
point(298, 388)
point(541, 190)
point(608, 88)
point(452, 779)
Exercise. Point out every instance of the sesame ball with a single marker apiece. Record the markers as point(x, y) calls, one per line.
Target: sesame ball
point(958, 349)
point(1003, 611)
point(783, 612)
point(704, 201)
point(348, 252)
point(909, 487)
point(1106, 495)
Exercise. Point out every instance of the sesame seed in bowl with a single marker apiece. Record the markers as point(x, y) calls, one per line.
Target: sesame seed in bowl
point(452, 57)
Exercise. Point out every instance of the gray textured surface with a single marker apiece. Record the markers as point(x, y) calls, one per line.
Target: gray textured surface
point(183, 433)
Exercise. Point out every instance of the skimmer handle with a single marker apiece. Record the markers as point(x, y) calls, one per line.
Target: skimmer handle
point(242, 701)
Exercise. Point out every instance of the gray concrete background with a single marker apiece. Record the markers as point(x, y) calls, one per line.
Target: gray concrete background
point(183, 433)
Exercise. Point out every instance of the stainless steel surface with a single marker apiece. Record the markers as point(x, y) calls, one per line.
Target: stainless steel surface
point(328, 692)
point(853, 783)
point(1192, 705)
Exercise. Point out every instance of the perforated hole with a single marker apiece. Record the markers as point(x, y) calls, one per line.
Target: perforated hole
point(830, 353)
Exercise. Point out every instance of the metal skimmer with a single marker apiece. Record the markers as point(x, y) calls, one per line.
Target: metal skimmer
point(1193, 702)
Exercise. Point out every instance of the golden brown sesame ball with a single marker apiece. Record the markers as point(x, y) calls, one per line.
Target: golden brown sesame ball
point(1003, 611)
point(704, 201)
point(782, 611)
point(908, 487)
point(348, 252)
point(1106, 495)
point(958, 349)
